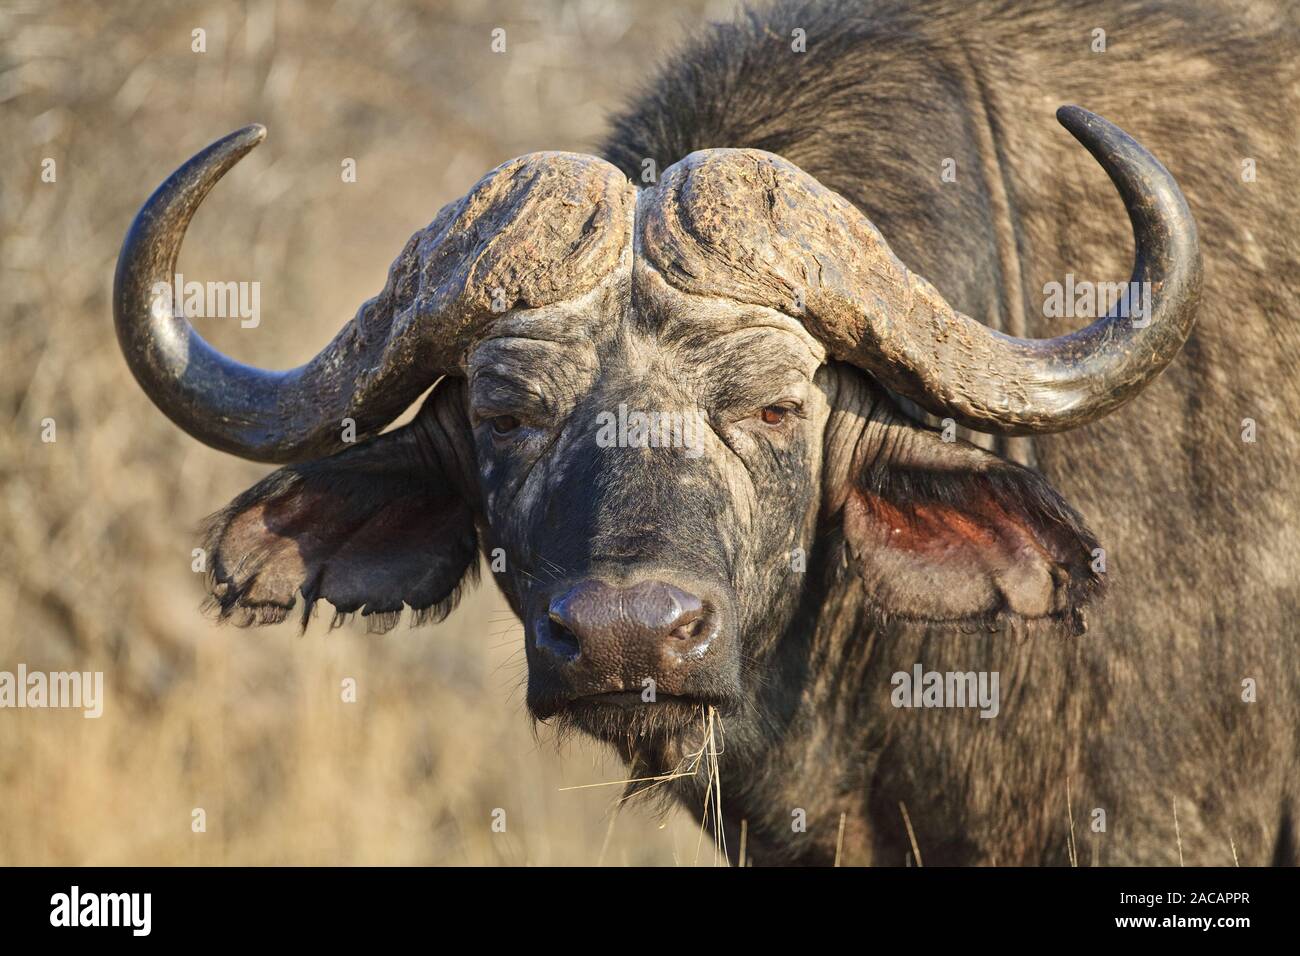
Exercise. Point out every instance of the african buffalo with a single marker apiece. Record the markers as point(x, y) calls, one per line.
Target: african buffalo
point(702, 421)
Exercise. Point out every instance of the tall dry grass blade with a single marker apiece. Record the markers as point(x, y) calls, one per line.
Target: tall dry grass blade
point(839, 840)
point(1177, 834)
point(1071, 847)
point(911, 834)
point(609, 833)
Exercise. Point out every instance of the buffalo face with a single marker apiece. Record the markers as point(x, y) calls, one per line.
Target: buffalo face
point(649, 471)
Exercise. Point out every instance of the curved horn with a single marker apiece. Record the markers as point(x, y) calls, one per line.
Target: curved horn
point(534, 231)
point(798, 242)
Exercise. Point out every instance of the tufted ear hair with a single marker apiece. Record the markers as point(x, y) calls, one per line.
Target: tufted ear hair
point(384, 525)
point(944, 532)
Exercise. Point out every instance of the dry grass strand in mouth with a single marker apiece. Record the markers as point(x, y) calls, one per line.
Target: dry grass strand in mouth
point(713, 791)
point(687, 766)
point(705, 758)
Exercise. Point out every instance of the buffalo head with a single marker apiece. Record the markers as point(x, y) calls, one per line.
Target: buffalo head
point(663, 415)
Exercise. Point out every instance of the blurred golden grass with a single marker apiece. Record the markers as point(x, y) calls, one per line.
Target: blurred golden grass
point(96, 529)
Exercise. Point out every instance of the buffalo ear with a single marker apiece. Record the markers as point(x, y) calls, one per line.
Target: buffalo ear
point(373, 529)
point(943, 531)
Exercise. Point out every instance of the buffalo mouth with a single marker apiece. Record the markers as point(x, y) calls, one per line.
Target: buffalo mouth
point(626, 699)
point(671, 724)
point(610, 704)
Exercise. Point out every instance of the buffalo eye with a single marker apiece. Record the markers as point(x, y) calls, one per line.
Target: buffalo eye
point(774, 414)
point(504, 424)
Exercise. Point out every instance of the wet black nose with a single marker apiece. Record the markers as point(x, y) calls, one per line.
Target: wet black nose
point(608, 638)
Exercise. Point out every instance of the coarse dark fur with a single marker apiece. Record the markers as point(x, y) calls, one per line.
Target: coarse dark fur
point(1143, 713)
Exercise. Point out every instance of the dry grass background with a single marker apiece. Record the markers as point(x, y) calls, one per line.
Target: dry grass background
point(96, 529)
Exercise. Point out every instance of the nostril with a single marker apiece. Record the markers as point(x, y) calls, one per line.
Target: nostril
point(693, 633)
point(555, 638)
point(690, 630)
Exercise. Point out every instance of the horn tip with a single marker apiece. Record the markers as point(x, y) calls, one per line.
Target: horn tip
point(1072, 117)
